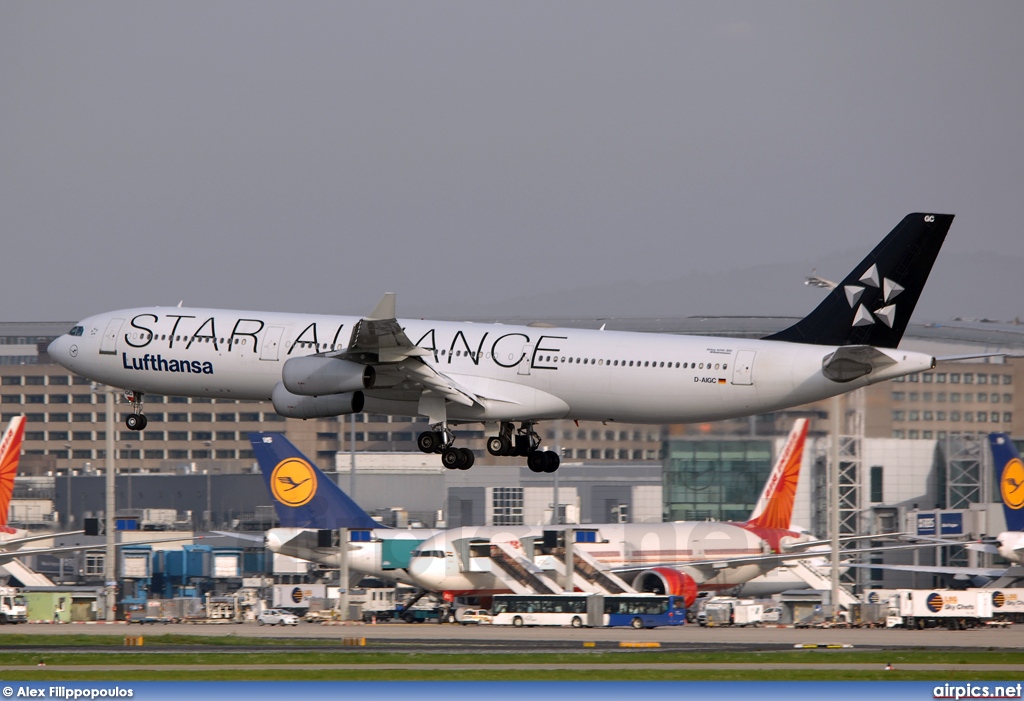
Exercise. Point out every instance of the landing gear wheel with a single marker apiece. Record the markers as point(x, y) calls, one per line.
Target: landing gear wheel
point(536, 462)
point(468, 458)
point(429, 442)
point(135, 422)
point(637, 623)
point(453, 458)
point(499, 446)
point(551, 460)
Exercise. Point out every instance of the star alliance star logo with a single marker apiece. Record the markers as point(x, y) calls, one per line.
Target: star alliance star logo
point(889, 291)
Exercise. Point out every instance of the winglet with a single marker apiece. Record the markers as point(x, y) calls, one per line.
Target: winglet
point(10, 455)
point(385, 308)
point(1010, 474)
point(774, 508)
point(304, 497)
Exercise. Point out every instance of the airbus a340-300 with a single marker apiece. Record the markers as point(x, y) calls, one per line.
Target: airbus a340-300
point(456, 373)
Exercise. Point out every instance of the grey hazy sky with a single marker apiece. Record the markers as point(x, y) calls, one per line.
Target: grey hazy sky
point(489, 158)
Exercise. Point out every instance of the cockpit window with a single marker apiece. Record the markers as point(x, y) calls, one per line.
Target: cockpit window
point(75, 331)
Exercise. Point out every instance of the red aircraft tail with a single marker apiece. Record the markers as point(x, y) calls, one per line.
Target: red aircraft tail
point(774, 509)
point(10, 454)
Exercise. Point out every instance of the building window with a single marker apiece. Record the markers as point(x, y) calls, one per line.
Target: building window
point(914, 434)
point(226, 436)
point(227, 417)
point(202, 435)
point(940, 415)
point(177, 418)
point(915, 416)
point(968, 378)
point(154, 454)
point(11, 380)
point(899, 433)
point(249, 416)
point(177, 435)
point(954, 416)
point(10, 399)
point(93, 564)
point(507, 503)
point(983, 379)
point(876, 483)
point(940, 377)
point(928, 416)
point(202, 417)
point(1007, 417)
point(177, 455)
point(954, 378)
point(225, 454)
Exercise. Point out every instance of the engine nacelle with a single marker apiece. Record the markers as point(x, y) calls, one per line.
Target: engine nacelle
point(314, 376)
point(667, 581)
point(296, 407)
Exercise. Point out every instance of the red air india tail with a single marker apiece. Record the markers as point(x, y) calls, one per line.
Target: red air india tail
point(10, 454)
point(774, 508)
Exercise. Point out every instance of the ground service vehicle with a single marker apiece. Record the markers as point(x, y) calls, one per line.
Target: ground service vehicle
point(729, 611)
point(277, 617)
point(591, 610)
point(13, 607)
point(467, 616)
point(940, 608)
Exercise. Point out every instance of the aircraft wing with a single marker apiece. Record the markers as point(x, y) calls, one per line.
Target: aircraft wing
point(7, 556)
point(774, 559)
point(401, 372)
point(8, 544)
point(992, 572)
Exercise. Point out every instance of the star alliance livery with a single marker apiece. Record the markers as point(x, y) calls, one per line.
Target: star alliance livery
point(456, 373)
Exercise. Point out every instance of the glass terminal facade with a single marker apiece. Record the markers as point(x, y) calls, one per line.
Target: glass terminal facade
point(714, 479)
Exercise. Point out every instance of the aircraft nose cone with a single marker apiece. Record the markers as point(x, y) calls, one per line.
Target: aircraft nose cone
point(63, 350)
point(272, 541)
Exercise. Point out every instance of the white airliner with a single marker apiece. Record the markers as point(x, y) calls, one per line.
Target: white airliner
point(670, 558)
point(457, 373)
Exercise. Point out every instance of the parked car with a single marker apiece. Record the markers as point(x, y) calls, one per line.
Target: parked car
point(277, 617)
point(467, 616)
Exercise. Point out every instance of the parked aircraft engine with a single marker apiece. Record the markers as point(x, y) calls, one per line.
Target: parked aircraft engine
point(296, 407)
point(314, 376)
point(665, 580)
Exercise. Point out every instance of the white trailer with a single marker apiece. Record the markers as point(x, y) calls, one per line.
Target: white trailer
point(945, 608)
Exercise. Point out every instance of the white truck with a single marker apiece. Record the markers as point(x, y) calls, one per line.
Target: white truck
point(13, 607)
point(730, 611)
point(939, 608)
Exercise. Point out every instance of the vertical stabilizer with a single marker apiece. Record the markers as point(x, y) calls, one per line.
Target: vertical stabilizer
point(774, 508)
point(1010, 476)
point(10, 454)
point(872, 306)
point(304, 497)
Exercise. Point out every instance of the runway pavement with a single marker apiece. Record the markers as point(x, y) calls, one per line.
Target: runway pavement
point(486, 636)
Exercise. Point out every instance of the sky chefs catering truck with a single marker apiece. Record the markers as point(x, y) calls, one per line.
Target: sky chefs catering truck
point(940, 608)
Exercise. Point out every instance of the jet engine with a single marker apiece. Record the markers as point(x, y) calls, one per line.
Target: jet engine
point(315, 376)
point(667, 581)
point(296, 407)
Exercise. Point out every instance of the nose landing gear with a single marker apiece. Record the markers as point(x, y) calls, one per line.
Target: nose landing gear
point(136, 421)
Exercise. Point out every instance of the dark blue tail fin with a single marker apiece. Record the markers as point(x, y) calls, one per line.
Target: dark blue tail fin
point(1010, 474)
point(303, 496)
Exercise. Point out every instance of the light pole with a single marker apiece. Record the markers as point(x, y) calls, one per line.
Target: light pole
point(67, 514)
point(209, 507)
point(128, 447)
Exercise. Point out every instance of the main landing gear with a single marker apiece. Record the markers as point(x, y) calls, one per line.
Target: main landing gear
point(136, 421)
point(441, 440)
point(524, 442)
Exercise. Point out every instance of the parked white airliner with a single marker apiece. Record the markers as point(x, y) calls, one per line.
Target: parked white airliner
point(456, 373)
